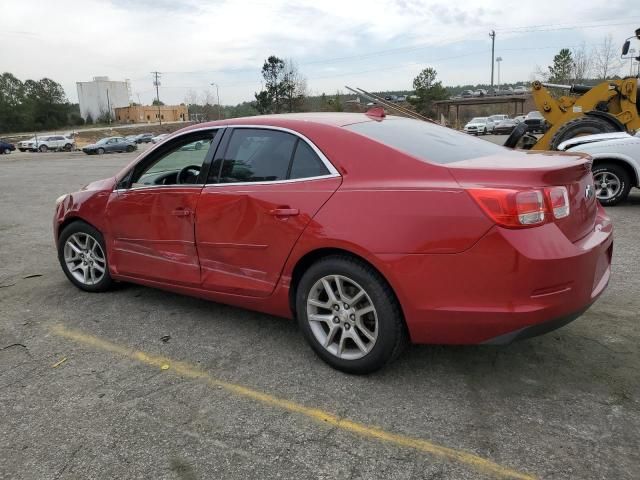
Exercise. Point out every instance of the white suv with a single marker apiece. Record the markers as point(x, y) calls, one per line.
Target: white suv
point(51, 142)
point(479, 126)
point(616, 163)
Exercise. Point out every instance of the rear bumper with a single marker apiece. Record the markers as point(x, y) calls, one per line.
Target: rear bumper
point(507, 286)
point(536, 329)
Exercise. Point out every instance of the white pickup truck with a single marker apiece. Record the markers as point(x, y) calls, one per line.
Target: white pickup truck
point(45, 143)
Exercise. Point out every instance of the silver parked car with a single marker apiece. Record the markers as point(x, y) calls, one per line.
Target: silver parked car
point(616, 163)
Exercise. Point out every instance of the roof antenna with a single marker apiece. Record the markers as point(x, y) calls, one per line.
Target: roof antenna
point(384, 103)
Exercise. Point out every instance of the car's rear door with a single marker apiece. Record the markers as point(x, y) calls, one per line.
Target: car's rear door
point(264, 189)
point(152, 217)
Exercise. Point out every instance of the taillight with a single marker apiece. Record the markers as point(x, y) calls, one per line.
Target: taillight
point(558, 201)
point(522, 208)
point(511, 208)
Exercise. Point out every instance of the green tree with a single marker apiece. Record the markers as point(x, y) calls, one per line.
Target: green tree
point(34, 105)
point(284, 87)
point(269, 99)
point(563, 67)
point(157, 102)
point(427, 89)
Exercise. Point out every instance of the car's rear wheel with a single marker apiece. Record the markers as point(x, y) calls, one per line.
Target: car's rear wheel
point(100, 151)
point(82, 255)
point(43, 148)
point(7, 151)
point(130, 148)
point(612, 183)
point(349, 315)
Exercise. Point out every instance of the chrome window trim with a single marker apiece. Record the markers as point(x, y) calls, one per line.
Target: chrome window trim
point(333, 172)
point(273, 182)
point(147, 187)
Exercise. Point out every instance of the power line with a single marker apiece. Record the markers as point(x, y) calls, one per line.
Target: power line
point(551, 28)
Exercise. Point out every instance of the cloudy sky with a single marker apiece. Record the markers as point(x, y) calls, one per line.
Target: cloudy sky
point(372, 44)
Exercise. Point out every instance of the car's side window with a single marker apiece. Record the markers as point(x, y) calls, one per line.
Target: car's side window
point(306, 162)
point(257, 155)
point(263, 155)
point(178, 163)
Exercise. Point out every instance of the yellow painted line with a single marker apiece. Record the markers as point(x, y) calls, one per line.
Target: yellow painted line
point(370, 432)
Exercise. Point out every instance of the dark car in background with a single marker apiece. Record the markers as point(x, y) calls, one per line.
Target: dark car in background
point(535, 122)
point(505, 126)
point(6, 147)
point(110, 144)
point(144, 138)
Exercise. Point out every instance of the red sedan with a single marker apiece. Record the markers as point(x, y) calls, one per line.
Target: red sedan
point(370, 230)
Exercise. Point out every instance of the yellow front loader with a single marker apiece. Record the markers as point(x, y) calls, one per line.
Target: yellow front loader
point(610, 106)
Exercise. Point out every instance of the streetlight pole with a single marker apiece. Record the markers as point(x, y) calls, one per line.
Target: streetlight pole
point(213, 84)
point(493, 44)
point(498, 60)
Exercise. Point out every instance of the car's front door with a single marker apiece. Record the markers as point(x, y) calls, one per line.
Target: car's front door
point(152, 216)
point(264, 188)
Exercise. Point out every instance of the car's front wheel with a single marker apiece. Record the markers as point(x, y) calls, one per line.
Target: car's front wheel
point(7, 151)
point(100, 151)
point(82, 255)
point(43, 148)
point(349, 315)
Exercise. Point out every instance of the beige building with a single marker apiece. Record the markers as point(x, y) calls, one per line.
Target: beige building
point(149, 114)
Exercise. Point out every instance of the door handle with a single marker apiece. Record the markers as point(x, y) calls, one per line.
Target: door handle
point(181, 212)
point(284, 212)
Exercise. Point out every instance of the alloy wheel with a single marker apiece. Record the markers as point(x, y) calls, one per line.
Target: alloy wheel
point(342, 317)
point(607, 185)
point(84, 258)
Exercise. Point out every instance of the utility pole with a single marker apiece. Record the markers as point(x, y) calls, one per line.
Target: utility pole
point(498, 60)
point(156, 83)
point(493, 44)
point(108, 107)
point(218, 99)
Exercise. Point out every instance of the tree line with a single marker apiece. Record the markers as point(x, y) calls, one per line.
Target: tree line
point(34, 105)
point(584, 65)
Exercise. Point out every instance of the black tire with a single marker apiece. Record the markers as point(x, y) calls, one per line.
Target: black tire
point(130, 148)
point(392, 334)
point(67, 147)
point(106, 282)
point(7, 151)
point(100, 151)
point(43, 148)
point(622, 176)
point(585, 125)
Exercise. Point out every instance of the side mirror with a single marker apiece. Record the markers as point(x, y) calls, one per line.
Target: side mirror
point(625, 47)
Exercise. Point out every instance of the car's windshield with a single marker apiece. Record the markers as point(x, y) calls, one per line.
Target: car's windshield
point(426, 141)
point(103, 141)
point(478, 120)
point(534, 115)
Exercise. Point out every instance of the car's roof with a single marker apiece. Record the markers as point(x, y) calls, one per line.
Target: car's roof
point(336, 119)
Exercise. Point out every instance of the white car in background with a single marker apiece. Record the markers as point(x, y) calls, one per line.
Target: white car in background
point(479, 126)
point(47, 142)
point(616, 163)
point(159, 138)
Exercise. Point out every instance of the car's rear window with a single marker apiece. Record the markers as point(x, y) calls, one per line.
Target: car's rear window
point(426, 141)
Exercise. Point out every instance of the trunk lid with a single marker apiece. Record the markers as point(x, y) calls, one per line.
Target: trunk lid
point(522, 170)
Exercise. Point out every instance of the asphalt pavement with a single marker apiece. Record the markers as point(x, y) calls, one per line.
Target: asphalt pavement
point(140, 383)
